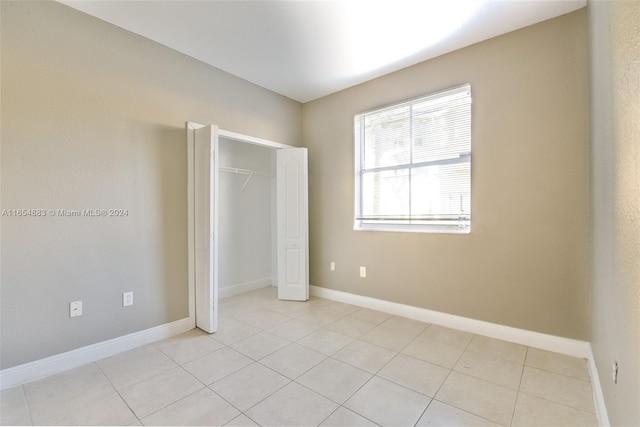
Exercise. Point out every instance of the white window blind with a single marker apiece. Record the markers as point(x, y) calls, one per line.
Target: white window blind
point(413, 164)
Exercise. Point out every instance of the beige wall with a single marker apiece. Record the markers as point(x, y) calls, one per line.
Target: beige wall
point(526, 262)
point(615, 88)
point(93, 117)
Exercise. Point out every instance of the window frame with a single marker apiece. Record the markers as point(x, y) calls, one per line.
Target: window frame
point(411, 224)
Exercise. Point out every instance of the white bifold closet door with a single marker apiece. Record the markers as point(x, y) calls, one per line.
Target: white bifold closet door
point(205, 180)
point(293, 224)
point(292, 221)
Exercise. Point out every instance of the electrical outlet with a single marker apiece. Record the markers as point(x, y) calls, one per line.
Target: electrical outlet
point(75, 308)
point(127, 299)
point(333, 266)
point(614, 375)
point(363, 272)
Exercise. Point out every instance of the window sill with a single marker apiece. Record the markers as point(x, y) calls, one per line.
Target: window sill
point(412, 228)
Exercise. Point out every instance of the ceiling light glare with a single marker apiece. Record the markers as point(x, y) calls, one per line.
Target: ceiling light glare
point(381, 32)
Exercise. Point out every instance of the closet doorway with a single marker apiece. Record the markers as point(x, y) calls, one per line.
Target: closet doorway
point(248, 219)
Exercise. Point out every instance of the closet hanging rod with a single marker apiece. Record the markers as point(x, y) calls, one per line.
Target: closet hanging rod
point(242, 171)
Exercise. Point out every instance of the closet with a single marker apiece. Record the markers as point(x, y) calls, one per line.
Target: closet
point(247, 219)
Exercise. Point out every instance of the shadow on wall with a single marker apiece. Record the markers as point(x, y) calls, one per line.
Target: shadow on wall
point(163, 150)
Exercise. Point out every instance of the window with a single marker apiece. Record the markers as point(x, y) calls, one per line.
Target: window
point(413, 164)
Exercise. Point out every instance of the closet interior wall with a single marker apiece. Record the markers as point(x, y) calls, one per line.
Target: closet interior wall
point(247, 219)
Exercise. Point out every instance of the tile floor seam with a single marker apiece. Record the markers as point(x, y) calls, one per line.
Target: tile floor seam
point(297, 384)
point(230, 403)
point(327, 417)
point(331, 314)
point(320, 326)
point(302, 373)
point(392, 382)
point(412, 340)
point(187, 361)
point(410, 388)
point(353, 410)
point(97, 363)
point(350, 410)
point(26, 402)
point(352, 394)
point(229, 373)
point(320, 394)
point(451, 370)
point(265, 355)
point(475, 378)
point(117, 392)
point(329, 331)
point(489, 380)
point(513, 413)
point(171, 403)
point(267, 396)
point(368, 419)
point(299, 338)
point(402, 385)
point(557, 403)
point(564, 376)
point(264, 398)
point(465, 411)
point(308, 323)
point(251, 419)
point(338, 361)
point(424, 412)
point(352, 365)
point(559, 373)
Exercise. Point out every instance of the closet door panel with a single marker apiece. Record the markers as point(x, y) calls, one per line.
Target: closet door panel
point(205, 222)
point(293, 224)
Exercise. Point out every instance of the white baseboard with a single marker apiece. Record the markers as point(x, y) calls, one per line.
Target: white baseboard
point(598, 397)
point(37, 369)
point(554, 343)
point(240, 288)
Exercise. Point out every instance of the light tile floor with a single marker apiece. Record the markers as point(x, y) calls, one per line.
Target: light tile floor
point(314, 363)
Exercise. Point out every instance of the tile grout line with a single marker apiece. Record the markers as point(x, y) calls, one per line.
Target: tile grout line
point(397, 352)
point(558, 403)
point(566, 377)
point(341, 405)
point(484, 353)
point(466, 347)
point(559, 373)
point(117, 391)
point(424, 411)
point(383, 366)
point(175, 401)
point(26, 402)
point(267, 396)
point(238, 409)
point(515, 404)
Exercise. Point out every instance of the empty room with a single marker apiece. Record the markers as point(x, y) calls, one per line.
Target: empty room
point(305, 213)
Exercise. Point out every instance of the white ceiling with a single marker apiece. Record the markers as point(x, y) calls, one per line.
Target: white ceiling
point(307, 49)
